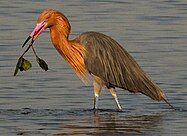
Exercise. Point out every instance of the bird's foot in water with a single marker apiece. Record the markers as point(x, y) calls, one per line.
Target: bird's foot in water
point(119, 110)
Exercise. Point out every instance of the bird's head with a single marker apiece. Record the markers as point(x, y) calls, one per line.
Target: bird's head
point(48, 19)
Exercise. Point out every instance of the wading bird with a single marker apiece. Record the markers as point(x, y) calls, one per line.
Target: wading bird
point(100, 56)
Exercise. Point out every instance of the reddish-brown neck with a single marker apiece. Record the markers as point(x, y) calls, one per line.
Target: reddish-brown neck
point(70, 50)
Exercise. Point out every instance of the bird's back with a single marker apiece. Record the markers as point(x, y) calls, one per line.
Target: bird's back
point(107, 59)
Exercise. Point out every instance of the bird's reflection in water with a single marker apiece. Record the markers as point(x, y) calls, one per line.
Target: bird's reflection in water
point(114, 122)
point(120, 123)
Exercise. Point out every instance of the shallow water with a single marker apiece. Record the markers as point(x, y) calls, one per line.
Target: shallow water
point(56, 102)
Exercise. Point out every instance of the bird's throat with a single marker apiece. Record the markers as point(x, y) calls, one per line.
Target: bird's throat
point(71, 51)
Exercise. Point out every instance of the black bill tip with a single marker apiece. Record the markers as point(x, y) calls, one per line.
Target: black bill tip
point(26, 41)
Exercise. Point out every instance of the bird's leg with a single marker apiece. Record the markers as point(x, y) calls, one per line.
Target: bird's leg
point(97, 91)
point(96, 100)
point(98, 84)
point(114, 94)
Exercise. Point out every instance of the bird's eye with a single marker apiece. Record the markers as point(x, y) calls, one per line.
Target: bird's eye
point(45, 20)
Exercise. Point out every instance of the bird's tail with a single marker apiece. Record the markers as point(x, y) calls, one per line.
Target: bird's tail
point(169, 104)
point(156, 93)
point(152, 90)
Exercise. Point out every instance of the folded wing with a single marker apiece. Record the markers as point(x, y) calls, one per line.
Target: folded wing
point(108, 60)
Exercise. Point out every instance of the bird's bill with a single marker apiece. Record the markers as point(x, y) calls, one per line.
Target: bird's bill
point(36, 32)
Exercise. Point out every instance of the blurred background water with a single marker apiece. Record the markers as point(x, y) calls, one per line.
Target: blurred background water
point(56, 102)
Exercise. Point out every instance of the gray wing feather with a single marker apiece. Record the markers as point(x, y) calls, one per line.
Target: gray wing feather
point(106, 59)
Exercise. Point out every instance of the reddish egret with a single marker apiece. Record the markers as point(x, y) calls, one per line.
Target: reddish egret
point(100, 56)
